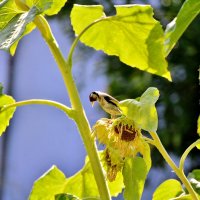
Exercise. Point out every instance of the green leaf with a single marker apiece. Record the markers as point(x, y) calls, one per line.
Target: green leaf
point(174, 30)
point(6, 115)
point(41, 5)
point(135, 172)
point(65, 197)
point(169, 189)
point(29, 28)
point(55, 7)
point(136, 37)
point(15, 23)
point(48, 185)
point(82, 184)
point(194, 178)
point(15, 28)
point(116, 186)
point(145, 150)
point(143, 112)
point(48, 7)
point(8, 10)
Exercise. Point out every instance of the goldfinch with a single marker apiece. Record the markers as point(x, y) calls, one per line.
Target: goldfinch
point(107, 102)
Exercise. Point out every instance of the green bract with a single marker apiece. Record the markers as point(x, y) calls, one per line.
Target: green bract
point(143, 111)
point(132, 34)
point(6, 115)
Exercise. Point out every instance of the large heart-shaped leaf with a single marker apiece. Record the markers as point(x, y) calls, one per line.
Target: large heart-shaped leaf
point(132, 34)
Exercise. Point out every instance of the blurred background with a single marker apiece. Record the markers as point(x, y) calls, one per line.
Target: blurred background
point(41, 136)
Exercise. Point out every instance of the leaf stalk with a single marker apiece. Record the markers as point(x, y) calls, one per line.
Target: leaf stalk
point(185, 154)
point(171, 163)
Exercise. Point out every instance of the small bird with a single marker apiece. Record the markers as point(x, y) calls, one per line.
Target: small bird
point(107, 102)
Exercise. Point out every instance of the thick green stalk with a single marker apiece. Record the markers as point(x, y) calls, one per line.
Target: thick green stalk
point(79, 114)
point(171, 163)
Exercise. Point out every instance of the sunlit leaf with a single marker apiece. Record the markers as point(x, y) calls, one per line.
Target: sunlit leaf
point(65, 197)
point(145, 150)
point(48, 185)
point(81, 185)
point(174, 30)
point(41, 5)
point(15, 23)
point(135, 172)
point(143, 111)
point(15, 28)
point(136, 37)
point(48, 7)
point(8, 10)
point(55, 7)
point(6, 115)
point(169, 189)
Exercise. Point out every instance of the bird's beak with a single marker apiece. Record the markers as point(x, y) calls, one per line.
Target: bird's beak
point(92, 102)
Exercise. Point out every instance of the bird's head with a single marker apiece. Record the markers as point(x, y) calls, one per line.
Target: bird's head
point(94, 96)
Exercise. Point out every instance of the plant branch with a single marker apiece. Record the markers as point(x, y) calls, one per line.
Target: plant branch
point(171, 163)
point(185, 154)
point(60, 106)
point(79, 113)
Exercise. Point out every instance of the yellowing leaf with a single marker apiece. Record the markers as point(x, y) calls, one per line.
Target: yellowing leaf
point(132, 34)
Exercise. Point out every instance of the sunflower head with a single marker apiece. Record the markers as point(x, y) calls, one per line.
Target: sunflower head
point(122, 139)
